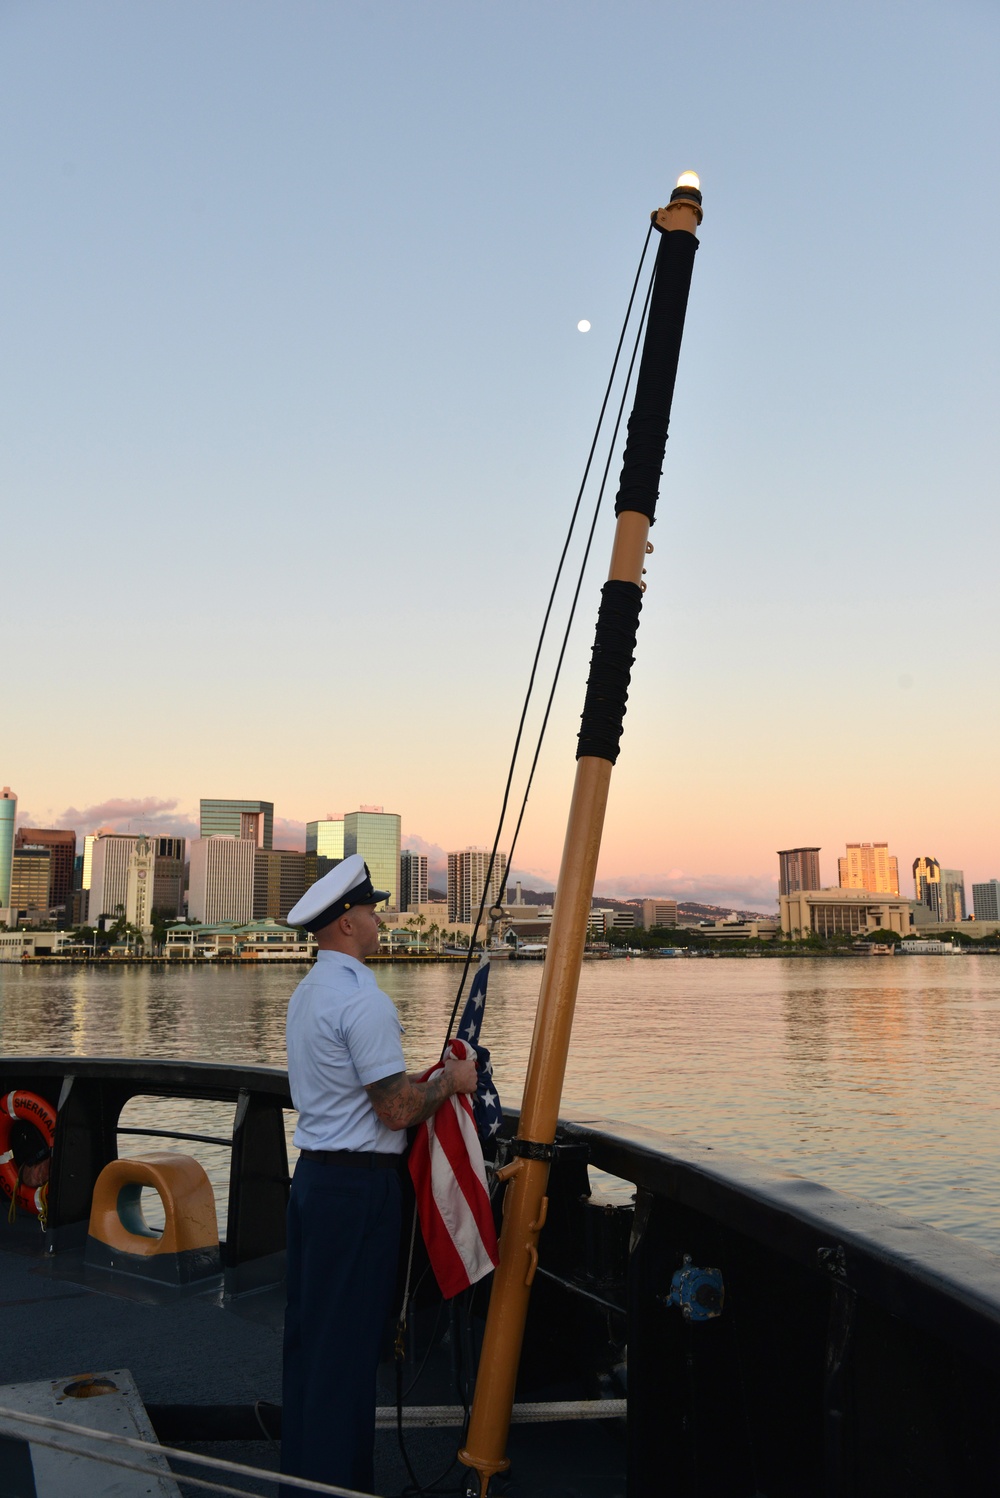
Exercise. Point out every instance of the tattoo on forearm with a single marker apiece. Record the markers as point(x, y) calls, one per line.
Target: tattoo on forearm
point(401, 1103)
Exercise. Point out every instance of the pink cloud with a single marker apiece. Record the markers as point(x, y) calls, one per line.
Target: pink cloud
point(437, 858)
point(289, 834)
point(151, 814)
point(136, 814)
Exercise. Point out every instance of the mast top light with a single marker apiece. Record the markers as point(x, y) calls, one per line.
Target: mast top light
point(689, 179)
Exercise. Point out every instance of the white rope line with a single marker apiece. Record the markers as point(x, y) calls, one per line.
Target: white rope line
point(160, 1473)
point(214, 1463)
point(522, 1414)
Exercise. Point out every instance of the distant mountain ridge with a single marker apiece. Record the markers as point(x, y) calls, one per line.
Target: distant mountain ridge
point(691, 908)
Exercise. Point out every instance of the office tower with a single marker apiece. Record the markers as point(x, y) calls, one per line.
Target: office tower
point(109, 861)
point(658, 913)
point(941, 890)
point(75, 912)
point(927, 884)
point(249, 819)
point(412, 879)
point(8, 811)
point(326, 839)
point(63, 848)
point(30, 879)
point(466, 880)
point(280, 880)
point(869, 866)
point(221, 888)
point(798, 868)
point(374, 834)
point(88, 860)
point(86, 874)
point(952, 895)
point(986, 900)
point(155, 881)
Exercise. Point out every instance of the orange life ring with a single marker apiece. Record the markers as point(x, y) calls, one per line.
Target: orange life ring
point(32, 1109)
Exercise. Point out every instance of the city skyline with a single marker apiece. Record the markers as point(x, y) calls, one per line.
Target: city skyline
point(157, 817)
point(201, 413)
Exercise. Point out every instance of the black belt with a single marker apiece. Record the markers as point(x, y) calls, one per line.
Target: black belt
point(361, 1159)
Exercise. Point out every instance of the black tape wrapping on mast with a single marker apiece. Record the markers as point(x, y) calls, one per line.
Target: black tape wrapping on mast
point(642, 462)
point(618, 620)
point(610, 671)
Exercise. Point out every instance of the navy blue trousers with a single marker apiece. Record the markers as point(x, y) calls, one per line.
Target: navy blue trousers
point(343, 1246)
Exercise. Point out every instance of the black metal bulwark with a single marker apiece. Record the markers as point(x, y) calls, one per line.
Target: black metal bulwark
point(856, 1353)
point(258, 1181)
point(89, 1096)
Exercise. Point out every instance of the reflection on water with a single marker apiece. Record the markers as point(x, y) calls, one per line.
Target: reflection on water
point(875, 1076)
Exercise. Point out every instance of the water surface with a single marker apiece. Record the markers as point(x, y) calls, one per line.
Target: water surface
point(875, 1076)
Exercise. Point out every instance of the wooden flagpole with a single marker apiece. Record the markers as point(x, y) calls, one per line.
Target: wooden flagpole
point(525, 1203)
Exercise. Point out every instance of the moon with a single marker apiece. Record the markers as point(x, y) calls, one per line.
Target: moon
point(583, 326)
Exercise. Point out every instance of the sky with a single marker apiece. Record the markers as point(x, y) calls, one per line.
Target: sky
point(295, 410)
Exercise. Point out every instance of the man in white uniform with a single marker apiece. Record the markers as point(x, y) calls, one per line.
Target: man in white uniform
point(349, 1083)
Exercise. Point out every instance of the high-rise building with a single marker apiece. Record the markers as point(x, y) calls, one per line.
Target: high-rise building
point(8, 811)
point(221, 887)
point(927, 884)
point(658, 913)
point(109, 861)
point(63, 848)
point(375, 834)
point(986, 900)
point(412, 879)
point(869, 866)
point(952, 895)
point(155, 882)
point(31, 879)
point(249, 819)
point(467, 878)
point(88, 860)
point(279, 881)
point(86, 874)
point(326, 838)
point(798, 868)
point(941, 890)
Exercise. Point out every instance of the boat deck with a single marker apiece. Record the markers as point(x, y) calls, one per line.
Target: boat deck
point(783, 1340)
point(188, 1349)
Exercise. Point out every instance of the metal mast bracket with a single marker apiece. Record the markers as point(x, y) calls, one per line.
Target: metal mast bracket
point(684, 205)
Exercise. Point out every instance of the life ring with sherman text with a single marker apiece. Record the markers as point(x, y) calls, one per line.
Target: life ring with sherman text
point(27, 1132)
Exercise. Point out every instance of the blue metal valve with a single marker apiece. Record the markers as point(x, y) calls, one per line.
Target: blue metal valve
point(700, 1293)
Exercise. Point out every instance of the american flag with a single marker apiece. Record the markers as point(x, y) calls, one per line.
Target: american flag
point(446, 1164)
point(485, 1103)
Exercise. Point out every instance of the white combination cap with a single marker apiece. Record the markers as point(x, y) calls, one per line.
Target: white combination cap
point(347, 885)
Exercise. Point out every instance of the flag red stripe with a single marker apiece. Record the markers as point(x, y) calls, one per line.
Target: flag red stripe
point(449, 1270)
point(455, 1145)
point(456, 1217)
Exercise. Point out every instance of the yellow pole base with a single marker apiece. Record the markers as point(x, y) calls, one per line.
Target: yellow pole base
point(484, 1472)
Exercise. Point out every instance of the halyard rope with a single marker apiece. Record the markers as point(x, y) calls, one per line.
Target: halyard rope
point(545, 625)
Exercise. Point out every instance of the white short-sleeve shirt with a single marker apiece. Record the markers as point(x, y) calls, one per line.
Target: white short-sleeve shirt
point(342, 1034)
